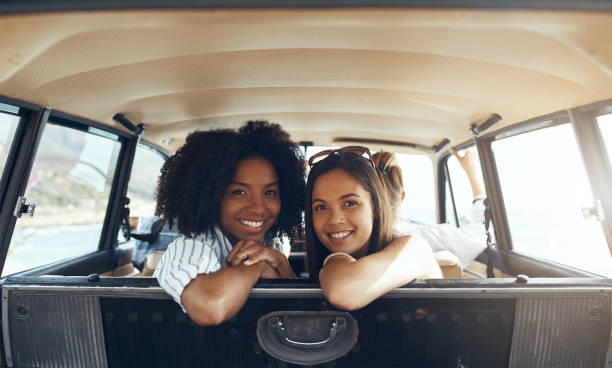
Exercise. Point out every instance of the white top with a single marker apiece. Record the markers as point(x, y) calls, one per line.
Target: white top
point(466, 242)
point(186, 258)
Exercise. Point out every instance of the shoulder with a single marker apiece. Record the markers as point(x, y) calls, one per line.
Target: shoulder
point(183, 246)
point(410, 241)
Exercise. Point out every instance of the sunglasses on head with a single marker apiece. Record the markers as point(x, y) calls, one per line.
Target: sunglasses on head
point(358, 150)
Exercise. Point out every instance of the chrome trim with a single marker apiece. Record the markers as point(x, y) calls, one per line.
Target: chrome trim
point(158, 293)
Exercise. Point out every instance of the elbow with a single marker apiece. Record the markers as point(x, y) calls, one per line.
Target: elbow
point(209, 313)
point(341, 299)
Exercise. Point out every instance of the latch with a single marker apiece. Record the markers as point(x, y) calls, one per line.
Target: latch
point(596, 211)
point(23, 207)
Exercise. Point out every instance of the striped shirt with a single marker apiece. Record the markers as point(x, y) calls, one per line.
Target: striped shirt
point(186, 258)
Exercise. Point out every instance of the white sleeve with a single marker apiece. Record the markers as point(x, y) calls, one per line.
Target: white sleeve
point(184, 259)
point(475, 215)
point(283, 245)
point(466, 242)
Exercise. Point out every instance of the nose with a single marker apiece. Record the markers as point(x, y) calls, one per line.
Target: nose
point(256, 204)
point(336, 216)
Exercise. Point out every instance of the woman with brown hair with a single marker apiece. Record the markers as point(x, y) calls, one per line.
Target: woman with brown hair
point(351, 246)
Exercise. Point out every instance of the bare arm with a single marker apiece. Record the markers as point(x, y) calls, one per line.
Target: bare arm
point(471, 165)
point(215, 298)
point(210, 299)
point(352, 284)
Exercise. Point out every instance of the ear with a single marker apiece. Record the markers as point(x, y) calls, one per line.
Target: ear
point(403, 196)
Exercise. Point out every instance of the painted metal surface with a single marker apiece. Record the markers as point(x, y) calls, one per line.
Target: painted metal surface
point(55, 331)
point(560, 331)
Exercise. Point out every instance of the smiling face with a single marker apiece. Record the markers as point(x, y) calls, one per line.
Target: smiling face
point(342, 213)
point(251, 203)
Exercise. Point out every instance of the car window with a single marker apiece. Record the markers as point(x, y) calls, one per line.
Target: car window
point(418, 177)
point(8, 126)
point(545, 195)
point(142, 186)
point(462, 193)
point(605, 127)
point(70, 184)
point(143, 181)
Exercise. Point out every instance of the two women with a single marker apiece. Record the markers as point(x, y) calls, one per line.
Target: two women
point(236, 194)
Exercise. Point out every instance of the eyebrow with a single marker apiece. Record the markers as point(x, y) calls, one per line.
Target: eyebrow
point(342, 197)
point(247, 185)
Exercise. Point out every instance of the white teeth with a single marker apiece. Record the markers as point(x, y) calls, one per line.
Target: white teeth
point(339, 235)
point(253, 224)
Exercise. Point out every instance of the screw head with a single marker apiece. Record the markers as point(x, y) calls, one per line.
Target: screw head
point(420, 313)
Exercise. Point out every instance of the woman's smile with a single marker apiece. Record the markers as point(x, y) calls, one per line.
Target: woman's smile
point(341, 235)
point(251, 224)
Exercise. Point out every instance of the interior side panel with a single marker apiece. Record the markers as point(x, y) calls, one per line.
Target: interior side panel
point(60, 322)
point(410, 333)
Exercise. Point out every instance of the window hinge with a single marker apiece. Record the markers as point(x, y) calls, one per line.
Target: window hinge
point(23, 207)
point(596, 211)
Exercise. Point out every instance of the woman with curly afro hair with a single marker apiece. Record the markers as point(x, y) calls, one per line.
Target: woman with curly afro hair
point(233, 195)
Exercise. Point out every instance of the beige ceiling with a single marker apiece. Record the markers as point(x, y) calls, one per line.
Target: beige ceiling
point(408, 75)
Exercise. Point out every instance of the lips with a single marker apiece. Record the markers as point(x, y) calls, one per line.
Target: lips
point(339, 236)
point(251, 224)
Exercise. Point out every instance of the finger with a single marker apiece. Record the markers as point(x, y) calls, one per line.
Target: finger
point(238, 258)
point(233, 258)
point(273, 257)
point(256, 254)
point(246, 251)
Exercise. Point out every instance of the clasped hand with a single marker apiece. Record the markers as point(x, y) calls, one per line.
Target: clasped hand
point(251, 252)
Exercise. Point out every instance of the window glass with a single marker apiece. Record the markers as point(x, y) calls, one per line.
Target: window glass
point(8, 126)
point(605, 127)
point(449, 208)
point(418, 178)
point(419, 203)
point(70, 184)
point(141, 189)
point(462, 191)
point(545, 188)
point(143, 181)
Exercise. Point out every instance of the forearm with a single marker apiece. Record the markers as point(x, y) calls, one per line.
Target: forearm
point(213, 299)
point(351, 284)
point(285, 271)
point(477, 184)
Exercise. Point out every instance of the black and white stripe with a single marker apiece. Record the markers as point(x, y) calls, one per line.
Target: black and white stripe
point(186, 258)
